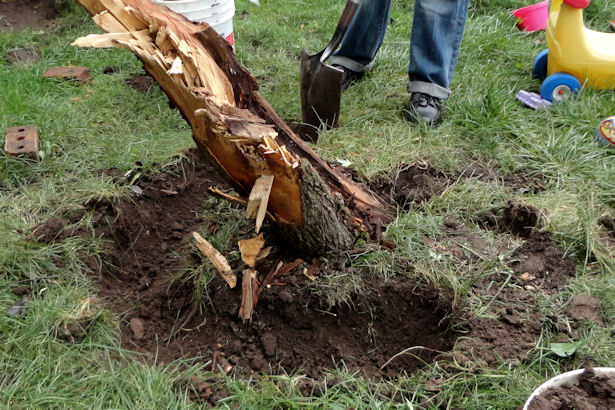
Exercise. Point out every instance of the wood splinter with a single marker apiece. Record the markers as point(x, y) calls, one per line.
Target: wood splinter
point(259, 197)
point(217, 259)
point(252, 250)
point(249, 284)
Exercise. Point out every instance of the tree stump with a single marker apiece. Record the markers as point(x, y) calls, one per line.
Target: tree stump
point(316, 208)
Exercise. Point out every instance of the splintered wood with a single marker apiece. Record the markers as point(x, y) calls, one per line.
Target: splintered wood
point(249, 285)
point(236, 128)
point(252, 250)
point(216, 258)
point(259, 197)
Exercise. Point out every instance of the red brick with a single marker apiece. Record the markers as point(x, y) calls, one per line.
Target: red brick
point(21, 142)
point(70, 73)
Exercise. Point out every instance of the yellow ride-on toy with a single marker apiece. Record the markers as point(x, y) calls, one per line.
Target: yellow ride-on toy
point(575, 54)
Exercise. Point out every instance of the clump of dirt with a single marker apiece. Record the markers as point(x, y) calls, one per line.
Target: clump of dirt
point(17, 15)
point(141, 83)
point(17, 56)
point(462, 242)
point(520, 182)
point(47, 231)
point(409, 185)
point(509, 336)
point(585, 307)
point(540, 263)
point(57, 228)
point(520, 218)
point(594, 391)
point(111, 69)
point(517, 217)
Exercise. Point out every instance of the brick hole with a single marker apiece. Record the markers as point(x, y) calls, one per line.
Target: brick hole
point(21, 130)
point(21, 147)
point(20, 138)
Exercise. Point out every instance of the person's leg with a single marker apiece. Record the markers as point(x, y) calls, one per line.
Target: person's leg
point(437, 30)
point(364, 36)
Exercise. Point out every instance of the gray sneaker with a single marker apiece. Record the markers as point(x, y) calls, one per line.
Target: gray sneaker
point(423, 107)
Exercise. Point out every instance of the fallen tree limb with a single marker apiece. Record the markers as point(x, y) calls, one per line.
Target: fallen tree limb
point(316, 208)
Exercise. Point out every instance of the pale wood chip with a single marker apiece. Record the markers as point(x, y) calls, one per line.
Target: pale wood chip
point(217, 259)
point(259, 197)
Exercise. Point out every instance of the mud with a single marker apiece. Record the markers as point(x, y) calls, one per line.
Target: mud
point(17, 15)
point(594, 391)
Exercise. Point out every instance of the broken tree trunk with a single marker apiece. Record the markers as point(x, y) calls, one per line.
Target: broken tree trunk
point(316, 208)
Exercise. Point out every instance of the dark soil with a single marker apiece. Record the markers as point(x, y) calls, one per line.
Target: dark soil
point(150, 240)
point(17, 15)
point(594, 392)
point(516, 217)
point(141, 83)
point(520, 182)
point(408, 185)
point(148, 244)
point(511, 335)
point(539, 262)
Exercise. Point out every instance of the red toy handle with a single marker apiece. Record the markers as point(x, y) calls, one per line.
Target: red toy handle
point(578, 4)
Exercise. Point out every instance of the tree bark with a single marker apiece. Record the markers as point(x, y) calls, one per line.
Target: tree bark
point(317, 208)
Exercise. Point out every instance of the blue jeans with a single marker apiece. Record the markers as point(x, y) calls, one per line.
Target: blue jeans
point(437, 29)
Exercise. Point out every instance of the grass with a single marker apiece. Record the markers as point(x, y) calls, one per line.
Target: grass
point(85, 129)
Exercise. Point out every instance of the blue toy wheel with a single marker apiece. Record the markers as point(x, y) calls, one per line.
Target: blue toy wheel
point(559, 87)
point(540, 65)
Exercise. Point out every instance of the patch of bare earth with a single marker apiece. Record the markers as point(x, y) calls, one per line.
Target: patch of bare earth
point(510, 324)
point(17, 15)
point(148, 243)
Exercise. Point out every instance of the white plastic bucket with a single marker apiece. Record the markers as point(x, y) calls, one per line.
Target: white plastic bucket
point(568, 377)
point(217, 13)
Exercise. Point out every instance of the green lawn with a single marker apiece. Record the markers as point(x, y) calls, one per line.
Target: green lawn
point(87, 128)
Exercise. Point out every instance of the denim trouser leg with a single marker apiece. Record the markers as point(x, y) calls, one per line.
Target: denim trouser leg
point(437, 29)
point(364, 36)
